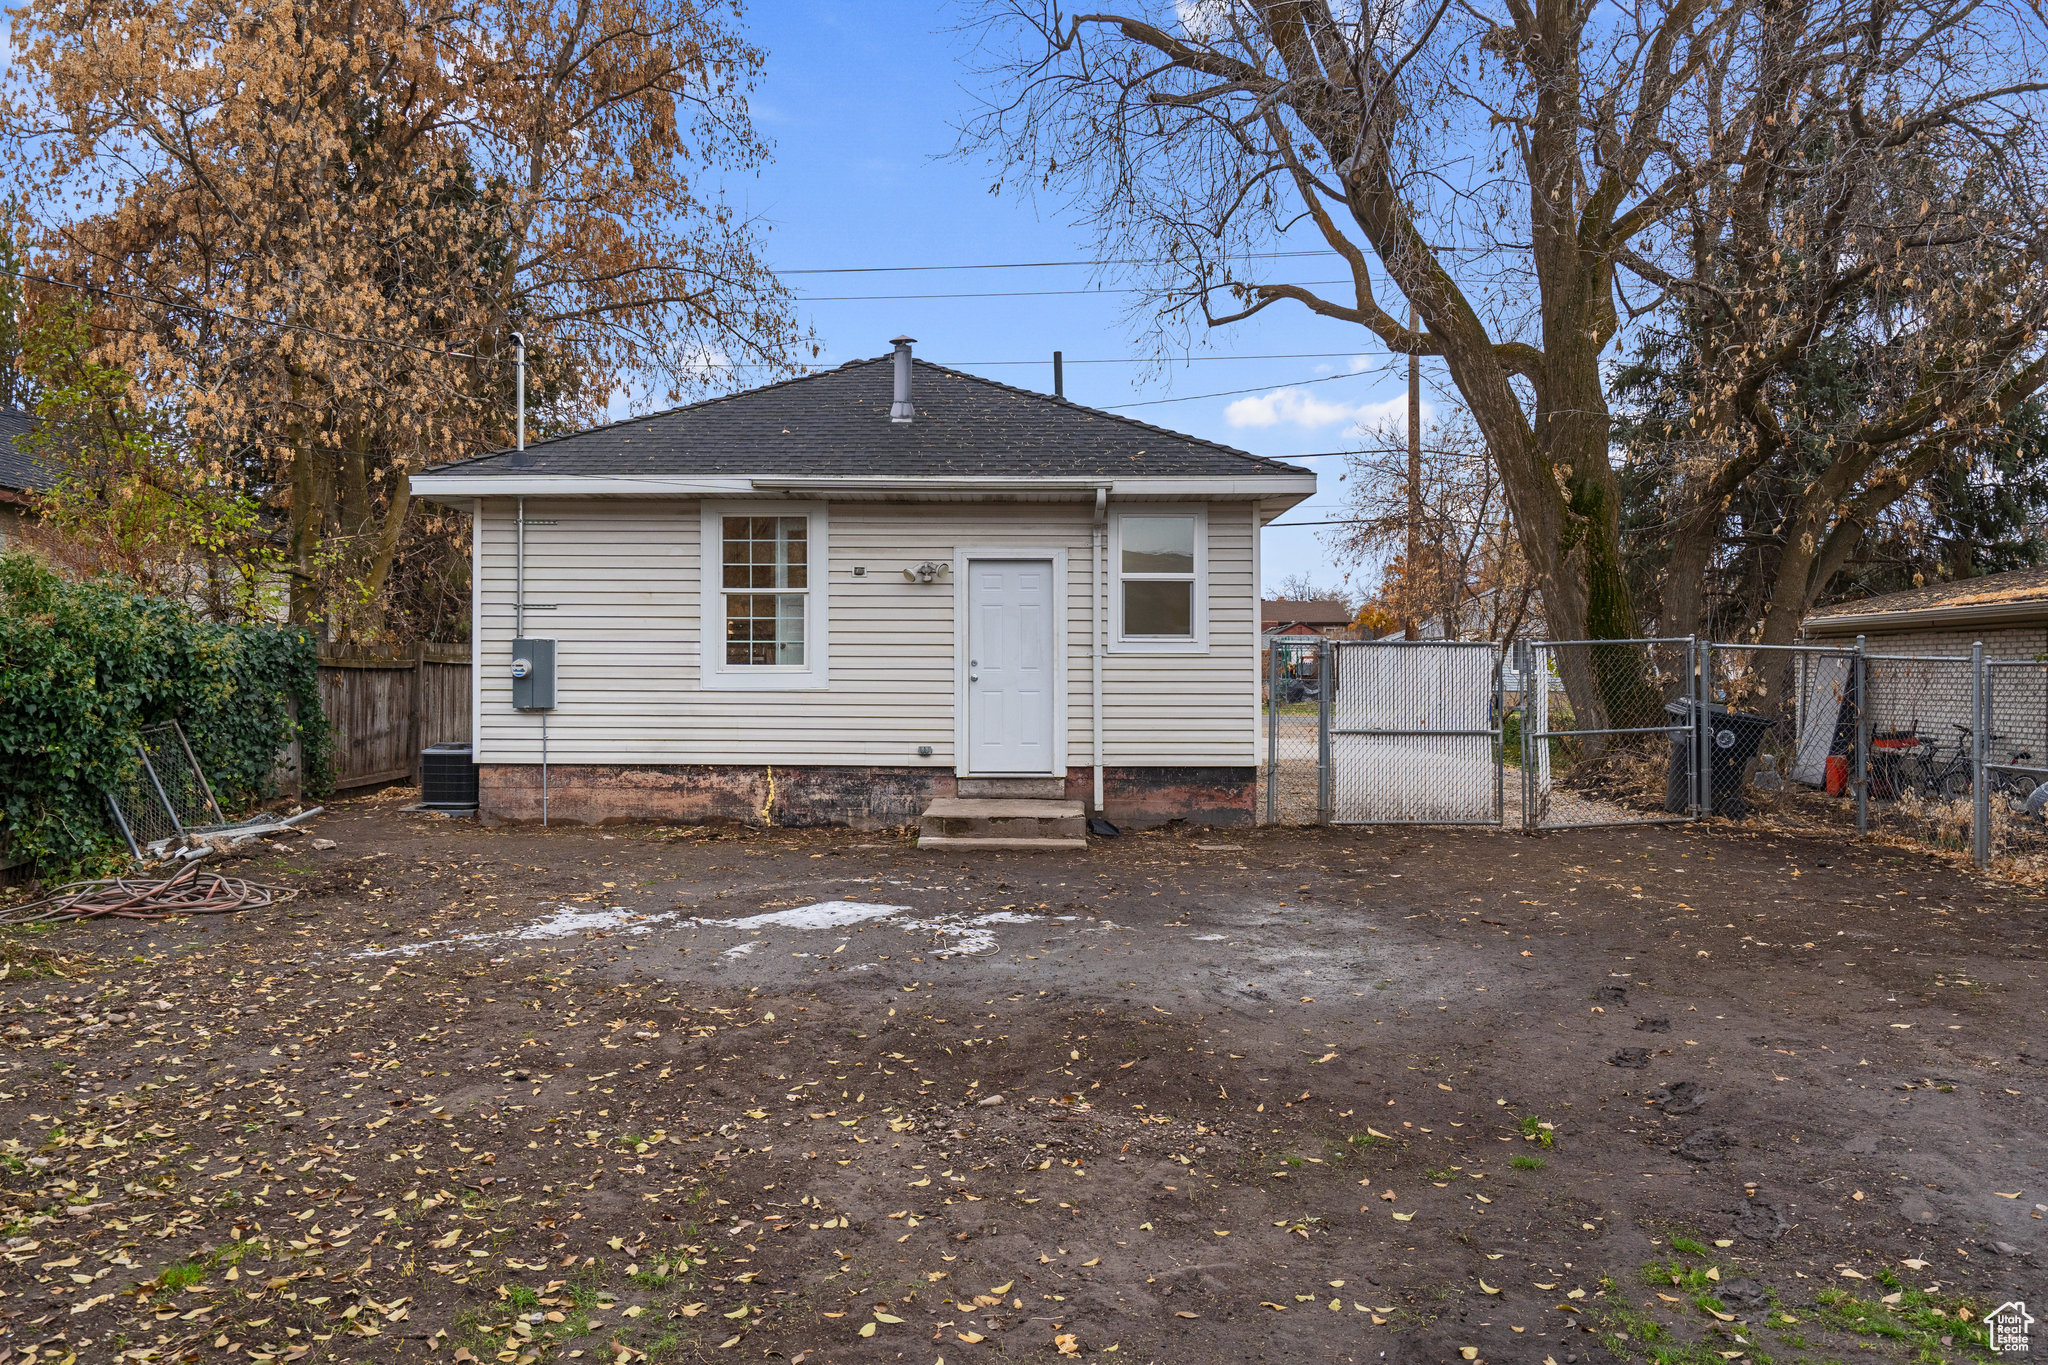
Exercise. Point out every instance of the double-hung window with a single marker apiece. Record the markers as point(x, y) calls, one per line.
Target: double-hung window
point(1160, 562)
point(764, 597)
point(767, 584)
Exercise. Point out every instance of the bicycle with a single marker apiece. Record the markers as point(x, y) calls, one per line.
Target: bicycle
point(1948, 778)
point(1926, 770)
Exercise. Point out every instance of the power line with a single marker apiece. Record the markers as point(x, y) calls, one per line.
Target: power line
point(363, 340)
point(254, 322)
point(1227, 393)
point(1032, 265)
point(1017, 293)
point(1289, 525)
point(1152, 360)
point(1126, 260)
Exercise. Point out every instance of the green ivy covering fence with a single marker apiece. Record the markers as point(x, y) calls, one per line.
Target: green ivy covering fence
point(84, 666)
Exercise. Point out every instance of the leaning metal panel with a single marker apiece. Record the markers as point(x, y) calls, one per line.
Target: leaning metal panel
point(1414, 733)
point(177, 773)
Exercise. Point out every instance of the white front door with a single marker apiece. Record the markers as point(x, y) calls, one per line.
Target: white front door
point(1010, 666)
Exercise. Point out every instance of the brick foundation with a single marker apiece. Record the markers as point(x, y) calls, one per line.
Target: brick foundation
point(863, 798)
point(1143, 798)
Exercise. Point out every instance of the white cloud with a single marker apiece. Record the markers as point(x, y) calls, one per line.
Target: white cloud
point(1301, 408)
point(1392, 415)
point(1290, 407)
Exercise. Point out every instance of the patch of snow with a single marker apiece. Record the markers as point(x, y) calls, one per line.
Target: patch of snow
point(823, 915)
point(567, 921)
point(973, 935)
point(1210, 938)
point(741, 949)
point(563, 921)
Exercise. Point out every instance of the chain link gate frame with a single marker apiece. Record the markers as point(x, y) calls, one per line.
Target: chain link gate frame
point(1635, 679)
point(1800, 714)
point(1294, 731)
point(1414, 733)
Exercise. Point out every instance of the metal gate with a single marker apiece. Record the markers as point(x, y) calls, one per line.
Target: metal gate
point(1294, 762)
point(1414, 733)
point(1631, 755)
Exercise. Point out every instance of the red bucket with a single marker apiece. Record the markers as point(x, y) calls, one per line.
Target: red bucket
point(1838, 775)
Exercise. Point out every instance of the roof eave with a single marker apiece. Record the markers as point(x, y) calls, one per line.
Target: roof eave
point(1276, 488)
point(1956, 615)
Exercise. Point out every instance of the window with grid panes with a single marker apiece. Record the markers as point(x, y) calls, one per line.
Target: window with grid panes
point(766, 581)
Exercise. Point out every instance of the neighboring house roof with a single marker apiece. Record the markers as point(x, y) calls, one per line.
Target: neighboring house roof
point(18, 472)
point(2018, 597)
point(835, 424)
point(1282, 611)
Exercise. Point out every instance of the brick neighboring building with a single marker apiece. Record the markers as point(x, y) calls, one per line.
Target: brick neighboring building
point(20, 477)
point(1915, 639)
point(1279, 616)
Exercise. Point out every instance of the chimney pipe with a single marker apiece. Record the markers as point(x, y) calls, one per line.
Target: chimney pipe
point(1059, 380)
point(900, 410)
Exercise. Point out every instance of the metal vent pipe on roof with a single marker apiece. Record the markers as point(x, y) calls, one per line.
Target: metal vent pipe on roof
point(901, 410)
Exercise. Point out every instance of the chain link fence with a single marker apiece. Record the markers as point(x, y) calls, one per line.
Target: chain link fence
point(1920, 764)
point(2016, 760)
point(1294, 766)
point(1605, 732)
point(1787, 743)
point(1949, 750)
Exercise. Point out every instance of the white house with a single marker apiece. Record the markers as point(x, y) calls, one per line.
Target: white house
point(840, 598)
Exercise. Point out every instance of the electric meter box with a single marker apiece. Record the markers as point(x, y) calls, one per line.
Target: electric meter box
point(533, 674)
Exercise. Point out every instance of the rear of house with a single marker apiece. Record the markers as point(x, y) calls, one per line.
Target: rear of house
point(839, 598)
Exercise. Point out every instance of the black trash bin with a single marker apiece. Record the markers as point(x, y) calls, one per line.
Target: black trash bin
point(1678, 777)
point(1733, 738)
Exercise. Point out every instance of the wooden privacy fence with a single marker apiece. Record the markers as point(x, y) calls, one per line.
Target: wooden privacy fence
point(382, 709)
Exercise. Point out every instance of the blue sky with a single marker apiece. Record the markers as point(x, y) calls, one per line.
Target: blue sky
point(861, 100)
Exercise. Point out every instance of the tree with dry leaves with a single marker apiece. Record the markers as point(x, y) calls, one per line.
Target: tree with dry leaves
point(314, 228)
point(1531, 176)
point(1457, 567)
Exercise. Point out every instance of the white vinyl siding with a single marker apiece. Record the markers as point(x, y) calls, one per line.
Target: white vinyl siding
point(623, 577)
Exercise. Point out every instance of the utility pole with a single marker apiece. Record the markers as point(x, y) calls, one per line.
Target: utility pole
point(1411, 628)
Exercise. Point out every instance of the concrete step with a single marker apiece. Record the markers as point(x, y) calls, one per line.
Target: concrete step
point(1013, 788)
point(958, 822)
point(946, 841)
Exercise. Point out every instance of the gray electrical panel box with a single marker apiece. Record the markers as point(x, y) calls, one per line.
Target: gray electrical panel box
point(533, 674)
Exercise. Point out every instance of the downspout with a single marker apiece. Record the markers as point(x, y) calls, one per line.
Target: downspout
point(1098, 570)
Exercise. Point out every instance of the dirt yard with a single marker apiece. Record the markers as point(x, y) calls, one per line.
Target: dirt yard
point(518, 1095)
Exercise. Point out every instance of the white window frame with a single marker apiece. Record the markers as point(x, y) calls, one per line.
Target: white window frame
point(1198, 622)
point(714, 673)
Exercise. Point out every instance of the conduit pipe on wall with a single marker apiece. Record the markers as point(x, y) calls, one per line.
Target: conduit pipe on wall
point(1098, 570)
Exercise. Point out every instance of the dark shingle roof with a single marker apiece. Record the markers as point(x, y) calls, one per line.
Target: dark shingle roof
point(836, 423)
point(1313, 612)
point(18, 473)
